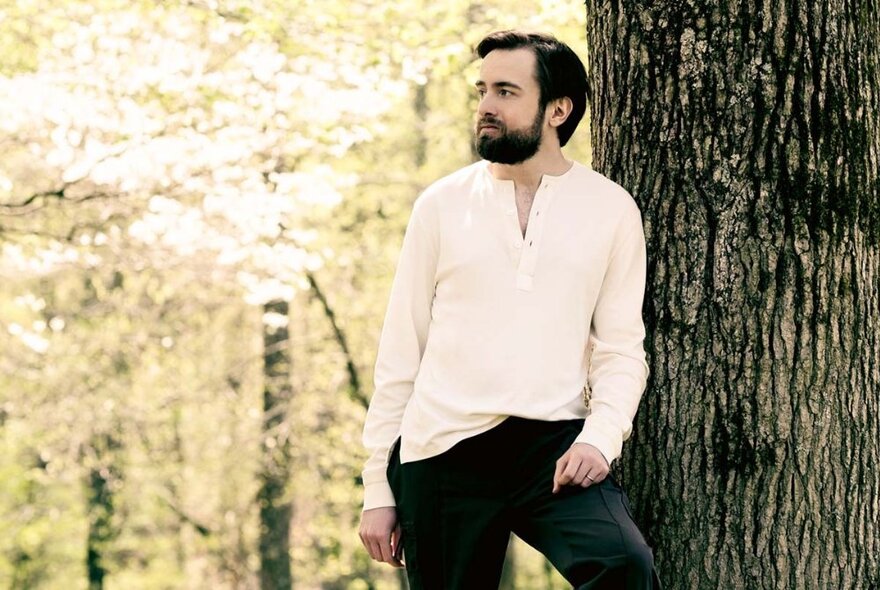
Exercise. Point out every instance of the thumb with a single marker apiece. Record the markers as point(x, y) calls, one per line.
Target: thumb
point(397, 541)
point(560, 467)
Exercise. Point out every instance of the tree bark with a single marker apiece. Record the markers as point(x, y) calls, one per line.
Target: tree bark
point(276, 509)
point(748, 134)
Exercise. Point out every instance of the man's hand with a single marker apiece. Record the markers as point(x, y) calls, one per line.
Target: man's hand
point(381, 535)
point(578, 462)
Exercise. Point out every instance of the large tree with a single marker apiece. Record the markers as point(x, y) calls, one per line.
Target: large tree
point(748, 134)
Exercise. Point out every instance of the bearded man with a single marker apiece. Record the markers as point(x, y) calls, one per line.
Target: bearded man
point(520, 284)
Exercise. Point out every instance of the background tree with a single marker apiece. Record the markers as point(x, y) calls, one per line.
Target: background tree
point(748, 134)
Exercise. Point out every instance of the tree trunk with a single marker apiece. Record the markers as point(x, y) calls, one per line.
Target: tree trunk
point(420, 107)
point(275, 505)
point(103, 477)
point(748, 134)
point(179, 460)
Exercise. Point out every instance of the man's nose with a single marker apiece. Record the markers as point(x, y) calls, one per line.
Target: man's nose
point(486, 106)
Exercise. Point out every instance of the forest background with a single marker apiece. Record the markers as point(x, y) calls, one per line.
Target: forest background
point(201, 205)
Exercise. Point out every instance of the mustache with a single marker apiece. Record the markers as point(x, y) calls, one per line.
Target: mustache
point(490, 121)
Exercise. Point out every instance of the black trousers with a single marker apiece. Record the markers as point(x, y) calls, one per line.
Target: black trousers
point(457, 511)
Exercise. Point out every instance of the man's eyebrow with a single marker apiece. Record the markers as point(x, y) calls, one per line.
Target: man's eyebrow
point(501, 84)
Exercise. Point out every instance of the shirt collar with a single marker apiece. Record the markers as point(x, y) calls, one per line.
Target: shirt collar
point(547, 180)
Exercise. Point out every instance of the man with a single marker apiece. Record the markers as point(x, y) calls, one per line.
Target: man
point(520, 280)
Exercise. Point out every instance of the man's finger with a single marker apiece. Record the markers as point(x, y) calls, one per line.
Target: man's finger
point(386, 553)
point(373, 545)
point(571, 471)
point(560, 467)
point(598, 472)
point(582, 475)
point(585, 478)
point(565, 471)
point(395, 540)
point(397, 546)
point(385, 550)
point(375, 550)
point(587, 482)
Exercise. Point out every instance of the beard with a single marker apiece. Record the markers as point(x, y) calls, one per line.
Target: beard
point(509, 147)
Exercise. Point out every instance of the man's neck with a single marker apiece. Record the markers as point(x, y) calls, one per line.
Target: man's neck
point(528, 174)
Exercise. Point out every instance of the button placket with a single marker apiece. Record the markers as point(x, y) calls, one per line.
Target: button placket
point(512, 231)
point(528, 260)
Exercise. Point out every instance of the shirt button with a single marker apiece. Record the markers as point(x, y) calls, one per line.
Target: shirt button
point(511, 211)
point(517, 245)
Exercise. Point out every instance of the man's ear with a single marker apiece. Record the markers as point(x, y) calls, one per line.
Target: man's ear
point(559, 110)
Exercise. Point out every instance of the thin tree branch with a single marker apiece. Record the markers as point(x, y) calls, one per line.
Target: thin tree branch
point(212, 7)
point(60, 193)
point(354, 382)
point(200, 528)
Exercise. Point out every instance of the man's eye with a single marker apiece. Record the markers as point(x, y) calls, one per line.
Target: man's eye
point(481, 92)
point(504, 92)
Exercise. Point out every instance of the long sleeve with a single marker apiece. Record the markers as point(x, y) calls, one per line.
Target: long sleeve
point(401, 346)
point(618, 373)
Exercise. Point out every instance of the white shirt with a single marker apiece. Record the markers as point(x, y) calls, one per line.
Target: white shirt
point(483, 324)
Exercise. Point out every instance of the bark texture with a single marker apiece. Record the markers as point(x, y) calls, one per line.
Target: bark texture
point(748, 134)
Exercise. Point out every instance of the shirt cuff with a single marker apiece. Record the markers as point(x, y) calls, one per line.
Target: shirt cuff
point(605, 438)
point(378, 495)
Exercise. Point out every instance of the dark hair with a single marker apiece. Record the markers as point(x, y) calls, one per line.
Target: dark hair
point(559, 72)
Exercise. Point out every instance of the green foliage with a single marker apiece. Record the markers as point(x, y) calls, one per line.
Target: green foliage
point(166, 167)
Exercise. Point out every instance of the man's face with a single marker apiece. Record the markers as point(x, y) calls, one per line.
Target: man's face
point(510, 120)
